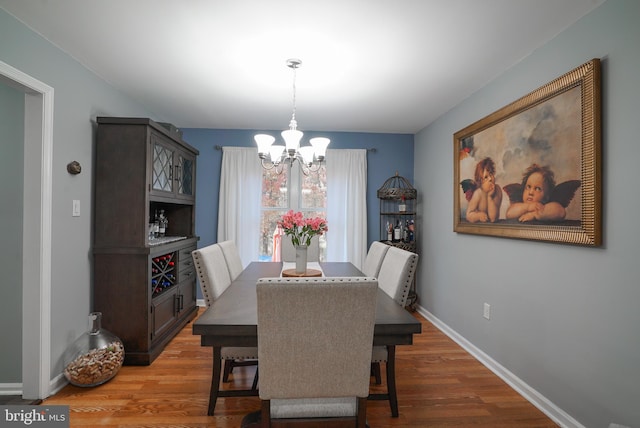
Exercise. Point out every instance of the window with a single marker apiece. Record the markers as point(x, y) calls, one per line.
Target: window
point(290, 190)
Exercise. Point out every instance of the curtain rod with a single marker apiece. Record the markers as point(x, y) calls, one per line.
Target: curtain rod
point(372, 149)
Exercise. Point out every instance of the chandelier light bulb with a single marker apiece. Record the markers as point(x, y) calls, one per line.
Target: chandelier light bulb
point(275, 152)
point(292, 139)
point(320, 147)
point(264, 141)
point(307, 155)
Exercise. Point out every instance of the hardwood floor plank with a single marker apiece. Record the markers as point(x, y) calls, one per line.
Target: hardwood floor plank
point(439, 385)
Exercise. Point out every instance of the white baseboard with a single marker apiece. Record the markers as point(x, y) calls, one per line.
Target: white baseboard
point(16, 388)
point(57, 384)
point(10, 388)
point(555, 413)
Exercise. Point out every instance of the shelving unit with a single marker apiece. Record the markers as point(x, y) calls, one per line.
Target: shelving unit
point(398, 228)
point(145, 288)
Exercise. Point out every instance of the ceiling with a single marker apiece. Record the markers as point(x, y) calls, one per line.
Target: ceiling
point(367, 65)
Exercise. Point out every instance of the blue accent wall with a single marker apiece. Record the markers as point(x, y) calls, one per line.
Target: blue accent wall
point(393, 152)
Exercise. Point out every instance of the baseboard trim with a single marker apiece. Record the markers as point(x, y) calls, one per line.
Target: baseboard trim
point(10, 388)
point(554, 412)
point(57, 384)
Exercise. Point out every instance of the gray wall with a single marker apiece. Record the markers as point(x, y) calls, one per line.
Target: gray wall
point(79, 97)
point(564, 319)
point(11, 189)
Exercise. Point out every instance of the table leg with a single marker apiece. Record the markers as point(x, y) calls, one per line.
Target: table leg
point(391, 380)
point(215, 379)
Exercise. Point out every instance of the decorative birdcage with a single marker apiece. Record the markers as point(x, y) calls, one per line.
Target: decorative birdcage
point(396, 187)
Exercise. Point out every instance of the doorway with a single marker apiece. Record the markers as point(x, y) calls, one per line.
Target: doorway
point(36, 234)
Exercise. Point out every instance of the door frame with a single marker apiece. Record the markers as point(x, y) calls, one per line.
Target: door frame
point(36, 233)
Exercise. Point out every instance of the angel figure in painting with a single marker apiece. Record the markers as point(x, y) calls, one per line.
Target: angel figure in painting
point(483, 194)
point(538, 197)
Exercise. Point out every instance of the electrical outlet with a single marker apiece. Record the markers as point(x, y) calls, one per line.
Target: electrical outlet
point(75, 210)
point(487, 311)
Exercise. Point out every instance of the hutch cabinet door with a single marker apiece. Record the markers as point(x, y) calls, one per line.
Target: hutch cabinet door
point(164, 312)
point(162, 161)
point(187, 296)
point(185, 175)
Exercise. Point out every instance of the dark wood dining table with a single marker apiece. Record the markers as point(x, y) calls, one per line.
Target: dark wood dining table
point(232, 319)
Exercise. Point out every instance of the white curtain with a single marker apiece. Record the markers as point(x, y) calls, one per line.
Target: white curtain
point(239, 201)
point(347, 206)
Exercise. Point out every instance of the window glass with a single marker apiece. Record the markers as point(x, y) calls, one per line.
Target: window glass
point(314, 190)
point(290, 190)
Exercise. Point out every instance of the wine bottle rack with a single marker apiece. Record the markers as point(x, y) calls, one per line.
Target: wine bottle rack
point(163, 273)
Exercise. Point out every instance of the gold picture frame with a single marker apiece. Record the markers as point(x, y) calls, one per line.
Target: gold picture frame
point(532, 170)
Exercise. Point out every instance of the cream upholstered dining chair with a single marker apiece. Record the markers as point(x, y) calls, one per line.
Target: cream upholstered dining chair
point(289, 251)
point(232, 257)
point(373, 261)
point(311, 326)
point(214, 278)
point(395, 278)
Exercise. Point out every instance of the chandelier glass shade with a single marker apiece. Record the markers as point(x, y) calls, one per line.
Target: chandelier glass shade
point(309, 158)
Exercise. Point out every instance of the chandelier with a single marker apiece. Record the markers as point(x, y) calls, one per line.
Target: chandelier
point(310, 157)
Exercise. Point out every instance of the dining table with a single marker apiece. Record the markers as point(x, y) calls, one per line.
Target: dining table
point(232, 319)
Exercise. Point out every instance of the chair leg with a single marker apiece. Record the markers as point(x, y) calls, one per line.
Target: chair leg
point(254, 386)
point(391, 380)
point(361, 418)
point(375, 372)
point(265, 414)
point(228, 367)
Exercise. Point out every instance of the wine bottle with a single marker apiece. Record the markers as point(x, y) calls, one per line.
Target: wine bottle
point(161, 224)
point(156, 225)
point(402, 207)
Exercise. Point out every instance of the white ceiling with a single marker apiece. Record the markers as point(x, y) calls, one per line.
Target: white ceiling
point(368, 65)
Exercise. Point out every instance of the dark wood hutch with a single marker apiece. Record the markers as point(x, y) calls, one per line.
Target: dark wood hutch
point(145, 286)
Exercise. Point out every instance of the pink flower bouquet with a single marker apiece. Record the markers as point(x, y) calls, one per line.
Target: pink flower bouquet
point(301, 230)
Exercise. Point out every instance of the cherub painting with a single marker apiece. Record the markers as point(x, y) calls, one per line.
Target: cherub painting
point(538, 197)
point(527, 154)
point(483, 194)
point(531, 170)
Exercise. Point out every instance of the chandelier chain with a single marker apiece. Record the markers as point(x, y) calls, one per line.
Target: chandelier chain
point(294, 123)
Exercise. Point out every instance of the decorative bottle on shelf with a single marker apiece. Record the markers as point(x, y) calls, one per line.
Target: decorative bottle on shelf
point(396, 232)
point(95, 357)
point(166, 225)
point(389, 232)
point(411, 228)
point(162, 224)
point(402, 207)
point(156, 225)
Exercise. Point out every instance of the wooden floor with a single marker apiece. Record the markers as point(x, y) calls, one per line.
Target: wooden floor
point(439, 385)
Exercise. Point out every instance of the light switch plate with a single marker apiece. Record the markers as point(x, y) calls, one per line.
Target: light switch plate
point(487, 311)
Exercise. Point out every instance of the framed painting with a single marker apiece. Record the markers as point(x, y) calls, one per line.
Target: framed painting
point(532, 170)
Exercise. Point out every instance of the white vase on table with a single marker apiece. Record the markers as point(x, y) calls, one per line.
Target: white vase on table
point(301, 259)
